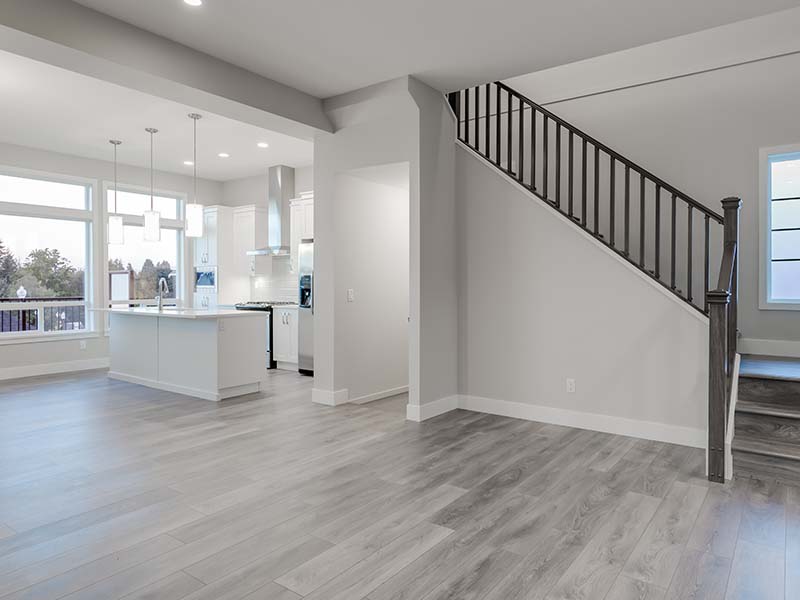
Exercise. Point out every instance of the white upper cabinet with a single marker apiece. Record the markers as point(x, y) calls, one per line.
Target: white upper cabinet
point(250, 232)
point(206, 248)
point(302, 223)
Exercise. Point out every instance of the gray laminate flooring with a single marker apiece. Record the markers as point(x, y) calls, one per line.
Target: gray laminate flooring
point(110, 490)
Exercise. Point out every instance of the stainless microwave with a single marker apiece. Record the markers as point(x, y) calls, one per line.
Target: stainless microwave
point(205, 278)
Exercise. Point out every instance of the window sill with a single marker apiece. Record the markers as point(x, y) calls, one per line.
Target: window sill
point(55, 336)
point(773, 305)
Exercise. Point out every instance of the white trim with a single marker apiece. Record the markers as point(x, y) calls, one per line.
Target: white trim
point(788, 348)
point(7, 339)
point(731, 421)
point(563, 220)
point(53, 368)
point(765, 227)
point(231, 392)
point(380, 395)
point(330, 397)
point(648, 430)
point(423, 412)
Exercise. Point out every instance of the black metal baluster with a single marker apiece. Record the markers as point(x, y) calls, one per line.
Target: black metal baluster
point(521, 157)
point(596, 190)
point(558, 165)
point(509, 133)
point(627, 210)
point(583, 182)
point(569, 175)
point(497, 126)
point(689, 254)
point(477, 119)
point(612, 202)
point(641, 220)
point(533, 148)
point(657, 270)
point(488, 112)
point(466, 117)
point(673, 245)
point(706, 261)
point(544, 155)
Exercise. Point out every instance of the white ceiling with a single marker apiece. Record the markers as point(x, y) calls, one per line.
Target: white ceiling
point(36, 113)
point(326, 47)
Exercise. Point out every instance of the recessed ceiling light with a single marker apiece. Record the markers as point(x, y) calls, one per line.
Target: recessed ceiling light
point(188, 163)
point(193, 2)
point(224, 155)
point(263, 145)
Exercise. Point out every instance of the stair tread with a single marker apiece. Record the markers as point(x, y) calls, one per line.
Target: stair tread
point(766, 448)
point(770, 367)
point(767, 408)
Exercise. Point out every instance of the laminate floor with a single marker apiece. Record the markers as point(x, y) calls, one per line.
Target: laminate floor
point(110, 490)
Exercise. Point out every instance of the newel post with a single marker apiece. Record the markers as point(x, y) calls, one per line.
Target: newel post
point(718, 304)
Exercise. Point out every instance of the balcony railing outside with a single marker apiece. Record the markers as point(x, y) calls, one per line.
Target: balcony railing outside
point(42, 315)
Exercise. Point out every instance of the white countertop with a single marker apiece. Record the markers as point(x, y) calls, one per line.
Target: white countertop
point(172, 312)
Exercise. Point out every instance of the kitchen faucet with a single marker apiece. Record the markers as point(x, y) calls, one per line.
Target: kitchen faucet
point(162, 288)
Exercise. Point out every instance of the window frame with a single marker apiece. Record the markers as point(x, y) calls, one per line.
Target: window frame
point(179, 225)
point(765, 301)
point(86, 215)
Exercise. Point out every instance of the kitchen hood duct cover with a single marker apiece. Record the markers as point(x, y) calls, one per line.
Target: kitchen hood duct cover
point(280, 189)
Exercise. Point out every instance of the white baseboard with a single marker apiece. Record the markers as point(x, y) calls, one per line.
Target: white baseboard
point(786, 348)
point(660, 432)
point(380, 395)
point(422, 412)
point(53, 368)
point(187, 391)
point(330, 397)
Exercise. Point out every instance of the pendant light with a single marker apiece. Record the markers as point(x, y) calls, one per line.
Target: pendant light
point(116, 226)
point(194, 211)
point(152, 218)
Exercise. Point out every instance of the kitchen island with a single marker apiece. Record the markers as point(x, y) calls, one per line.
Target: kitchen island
point(208, 354)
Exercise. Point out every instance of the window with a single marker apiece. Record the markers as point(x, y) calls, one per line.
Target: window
point(136, 266)
point(781, 235)
point(45, 255)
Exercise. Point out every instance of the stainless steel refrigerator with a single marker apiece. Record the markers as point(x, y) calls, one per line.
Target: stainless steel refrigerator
point(305, 321)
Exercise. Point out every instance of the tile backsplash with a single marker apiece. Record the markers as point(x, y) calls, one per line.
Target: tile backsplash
point(280, 286)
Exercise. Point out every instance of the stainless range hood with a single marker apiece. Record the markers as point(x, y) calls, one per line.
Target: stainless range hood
point(280, 189)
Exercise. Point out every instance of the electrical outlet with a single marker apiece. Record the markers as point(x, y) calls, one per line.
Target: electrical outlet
point(570, 386)
point(351, 295)
point(82, 344)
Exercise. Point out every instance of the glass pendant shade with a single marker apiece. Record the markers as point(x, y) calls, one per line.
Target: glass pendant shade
point(116, 225)
point(152, 226)
point(116, 230)
point(194, 220)
point(194, 211)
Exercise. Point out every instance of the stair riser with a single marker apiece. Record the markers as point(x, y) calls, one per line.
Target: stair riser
point(769, 390)
point(764, 427)
point(746, 464)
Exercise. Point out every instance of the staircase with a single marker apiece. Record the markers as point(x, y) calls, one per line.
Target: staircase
point(651, 224)
point(766, 439)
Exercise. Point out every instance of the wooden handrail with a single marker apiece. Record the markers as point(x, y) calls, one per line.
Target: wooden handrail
point(726, 269)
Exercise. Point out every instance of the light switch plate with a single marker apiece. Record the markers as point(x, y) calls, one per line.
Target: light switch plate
point(351, 295)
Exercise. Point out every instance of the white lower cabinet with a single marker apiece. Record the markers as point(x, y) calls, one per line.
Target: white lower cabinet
point(284, 332)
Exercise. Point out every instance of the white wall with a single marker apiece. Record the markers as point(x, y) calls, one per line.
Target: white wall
point(540, 302)
point(373, 243)
point(400, 121)
point(19, 359)
point(253, 190)
point(700, 132)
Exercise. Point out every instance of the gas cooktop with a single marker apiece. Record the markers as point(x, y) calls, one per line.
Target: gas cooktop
point(266, 305)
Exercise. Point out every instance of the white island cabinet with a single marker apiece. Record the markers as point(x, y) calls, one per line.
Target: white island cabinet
point(208, 354)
